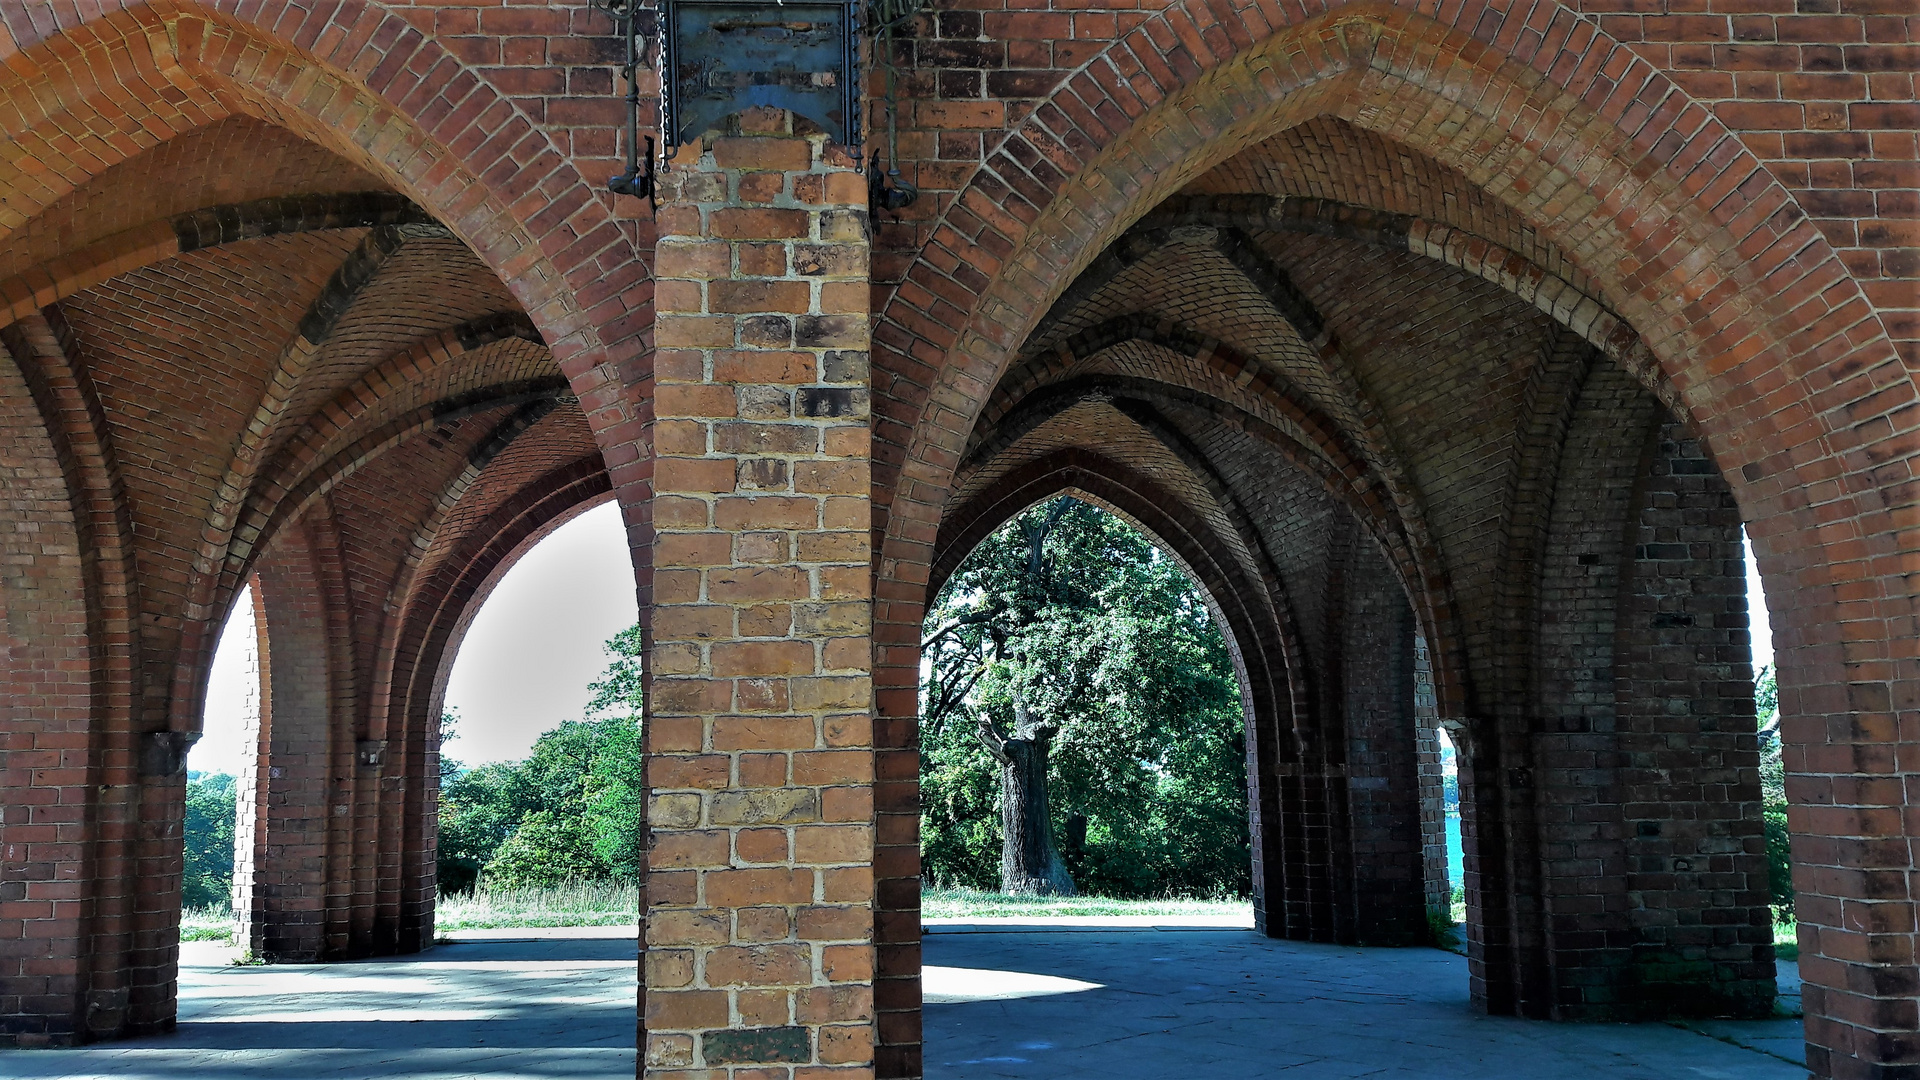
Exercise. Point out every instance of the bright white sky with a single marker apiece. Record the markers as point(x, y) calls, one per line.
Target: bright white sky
point(525, 663)
point(1757, 611)
point(535, 645)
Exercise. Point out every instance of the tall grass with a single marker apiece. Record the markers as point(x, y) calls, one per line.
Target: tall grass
point(212, 923)
point(576, 903)
point(952, 902)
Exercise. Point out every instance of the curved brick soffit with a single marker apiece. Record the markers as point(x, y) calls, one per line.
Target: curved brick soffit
point(364, 99)
point(1231, 218)
point(331, 447)
point(417, 655)
point(32, 326)
point(258, 496)
point(71, 420)
point(443, 604)
point(281, 508)
point(1723, 283)
point(161, 239)
point(1023, 398)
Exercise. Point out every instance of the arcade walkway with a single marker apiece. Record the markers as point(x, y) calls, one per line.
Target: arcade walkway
point(1112, 1004)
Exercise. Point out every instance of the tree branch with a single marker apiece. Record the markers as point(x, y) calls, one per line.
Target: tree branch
point(991, 738)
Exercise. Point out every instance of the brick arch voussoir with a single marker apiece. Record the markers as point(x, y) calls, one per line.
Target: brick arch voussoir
point(529, 410)
point(1689, 238)
point(443, 603)
point(1362, 500)
point(440, 606)
point(1575, 309)
point(274, 508)
point(87, 92)
point(1220, 361)
point(199, 634)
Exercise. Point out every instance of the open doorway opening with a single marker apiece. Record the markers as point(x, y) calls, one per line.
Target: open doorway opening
point(539, 764)
point(537, 816)
point(1083, 744)
point(540, 796)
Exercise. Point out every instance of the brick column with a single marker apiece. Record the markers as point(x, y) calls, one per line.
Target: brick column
point(760, 884)
point(287, 880)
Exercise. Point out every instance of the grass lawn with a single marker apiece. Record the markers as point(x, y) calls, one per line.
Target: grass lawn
point(1786, 942)
point(207, 924)
point(957, 903)
point(586, 903)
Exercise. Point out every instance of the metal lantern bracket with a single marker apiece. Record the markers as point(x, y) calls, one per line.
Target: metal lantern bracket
point(638, 181)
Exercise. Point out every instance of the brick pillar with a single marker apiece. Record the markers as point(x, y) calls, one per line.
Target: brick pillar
point(285, 886)
point(760, 883)
point(1384, 783)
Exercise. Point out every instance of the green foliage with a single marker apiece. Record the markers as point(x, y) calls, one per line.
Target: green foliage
point(616, 794)
point(571, 811)
point(1104, 635)
point(547, 849)
point(1773, 792)
point(211, 806)
point(618, 689)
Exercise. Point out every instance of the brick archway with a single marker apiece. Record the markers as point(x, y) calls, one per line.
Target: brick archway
point(88, 93)
point(364, 83)
point(1076, 174)
point(1769, 344)
point(1261, 637)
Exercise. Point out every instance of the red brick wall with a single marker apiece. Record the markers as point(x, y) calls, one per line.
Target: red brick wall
point(1696, 869)
point(1721, 202)
point(295, 892)
point(1385, 851)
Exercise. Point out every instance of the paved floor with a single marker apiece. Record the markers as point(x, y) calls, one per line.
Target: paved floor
point(489, 1010)
point(1002, 1001)
point(1117, 1005)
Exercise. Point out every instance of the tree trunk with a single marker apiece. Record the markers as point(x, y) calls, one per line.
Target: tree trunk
point(1030, 865)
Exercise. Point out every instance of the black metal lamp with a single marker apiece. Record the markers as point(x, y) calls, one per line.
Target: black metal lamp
point(635, 182)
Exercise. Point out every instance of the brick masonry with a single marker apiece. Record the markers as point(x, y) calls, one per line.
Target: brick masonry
point(759, 926)
point(1477, 301)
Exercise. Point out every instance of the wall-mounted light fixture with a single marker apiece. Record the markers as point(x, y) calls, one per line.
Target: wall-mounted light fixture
point(627, 14)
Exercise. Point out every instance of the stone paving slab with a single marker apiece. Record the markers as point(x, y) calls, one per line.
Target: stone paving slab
point(1130, 1004)
point(551, 1007)
point(1003, 1001)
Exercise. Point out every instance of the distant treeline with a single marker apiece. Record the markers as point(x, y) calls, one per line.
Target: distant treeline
point(571, 811)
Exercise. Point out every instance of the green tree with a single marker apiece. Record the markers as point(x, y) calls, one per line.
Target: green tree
point(1773, 791)
point(616, 788)
point(572, 809)
point(548, 847)
point(1080, 687)
point(618, 689)
point(207, 880)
